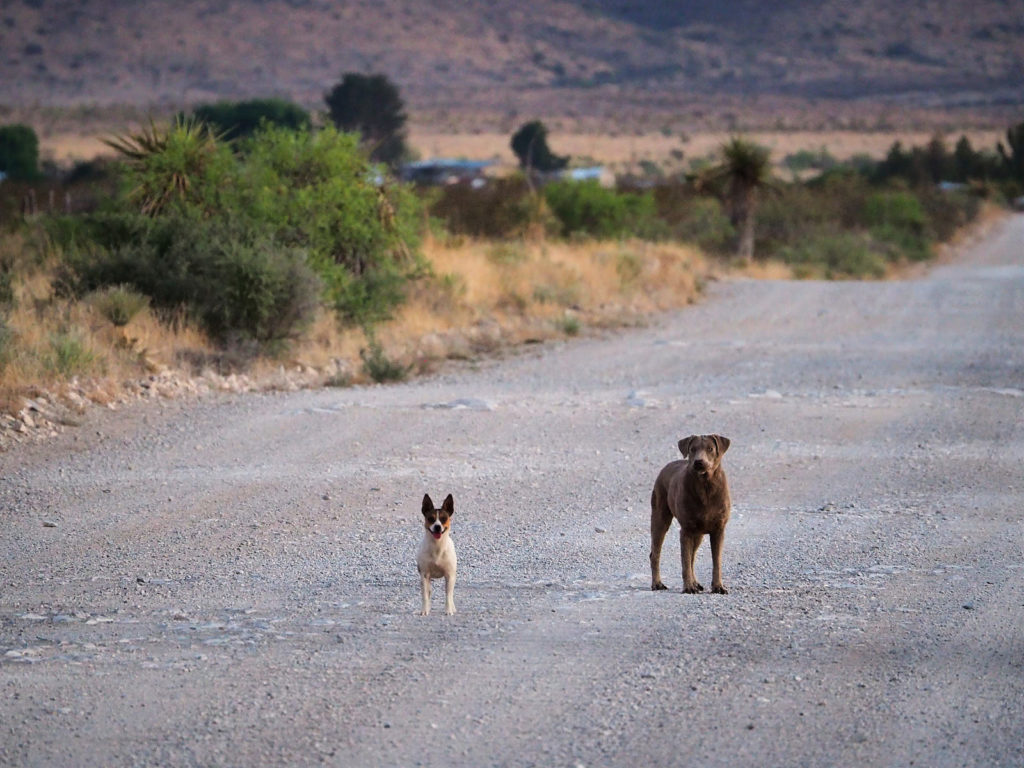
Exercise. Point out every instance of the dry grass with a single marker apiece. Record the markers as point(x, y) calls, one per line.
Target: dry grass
point(50, 342)
point(485, 295)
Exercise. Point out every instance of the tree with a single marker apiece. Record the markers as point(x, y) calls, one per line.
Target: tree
point(936, 160)
point(966, 162)
point(745, 169)
point(1012, 153)
point(240, 119)
point(19, 152)
point(371, 106)
point(530, 143)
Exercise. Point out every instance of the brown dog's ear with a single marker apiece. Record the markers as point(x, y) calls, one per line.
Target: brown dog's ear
point(428, 505)
point(448, 505)
point(684, 444)
point(722, 443)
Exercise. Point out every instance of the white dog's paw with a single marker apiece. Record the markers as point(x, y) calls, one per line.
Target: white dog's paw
point(449, 610)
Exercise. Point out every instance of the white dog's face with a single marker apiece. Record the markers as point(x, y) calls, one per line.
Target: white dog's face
point(438, 521)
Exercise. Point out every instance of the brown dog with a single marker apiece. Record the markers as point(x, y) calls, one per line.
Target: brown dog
point(695, 492)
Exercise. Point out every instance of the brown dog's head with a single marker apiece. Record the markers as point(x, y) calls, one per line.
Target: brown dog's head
point(704, 452)
point(438, 521)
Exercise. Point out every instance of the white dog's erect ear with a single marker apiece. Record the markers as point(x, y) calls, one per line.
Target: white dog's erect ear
point(722, 443)
point(684, 445)
point(428, 505)
point(448, 505)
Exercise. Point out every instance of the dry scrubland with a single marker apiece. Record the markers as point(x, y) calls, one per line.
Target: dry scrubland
point(475, 297)
point(480, 298)
point(623, 152)
point(620, 151)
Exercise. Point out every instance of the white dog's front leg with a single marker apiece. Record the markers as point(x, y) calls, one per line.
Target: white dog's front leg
point(425, 582)
point(449, 594)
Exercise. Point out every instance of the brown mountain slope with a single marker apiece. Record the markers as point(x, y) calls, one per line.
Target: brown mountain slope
point(501, 56)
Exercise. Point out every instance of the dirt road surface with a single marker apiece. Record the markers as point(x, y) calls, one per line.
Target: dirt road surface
point(232, 582)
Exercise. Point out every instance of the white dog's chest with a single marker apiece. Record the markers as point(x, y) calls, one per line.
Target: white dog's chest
point(435, 561)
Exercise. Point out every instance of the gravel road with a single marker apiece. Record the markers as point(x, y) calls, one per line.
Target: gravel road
point(233, 582)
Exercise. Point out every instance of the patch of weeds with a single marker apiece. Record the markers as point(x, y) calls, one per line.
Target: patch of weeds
point(452, 285)
point(565, 295)
point(569, 325)
point(118, 304)
point(340, 380)
point(6, 289)
point(507, 253)
point(629, 265)
point(7, 339)
point(381, 368)
point(836, 256)
point(69, 354)
point(513, 301)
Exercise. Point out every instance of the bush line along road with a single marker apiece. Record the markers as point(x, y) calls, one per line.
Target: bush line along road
point(233, 582)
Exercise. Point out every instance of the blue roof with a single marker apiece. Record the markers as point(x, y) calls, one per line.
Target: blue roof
point(449, 164)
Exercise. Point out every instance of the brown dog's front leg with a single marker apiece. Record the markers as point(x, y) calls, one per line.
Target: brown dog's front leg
point(717, 540)
point(688, 544)
point(660, 523)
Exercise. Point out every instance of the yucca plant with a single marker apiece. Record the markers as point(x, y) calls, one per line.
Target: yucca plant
point(746, 169)
point(119, 304)
point(170, 165)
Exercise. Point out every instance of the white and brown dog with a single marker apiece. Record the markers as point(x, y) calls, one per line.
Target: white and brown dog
point(436, 557)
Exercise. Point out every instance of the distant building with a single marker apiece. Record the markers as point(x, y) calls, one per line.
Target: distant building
point(443, 171)
point(597, 173)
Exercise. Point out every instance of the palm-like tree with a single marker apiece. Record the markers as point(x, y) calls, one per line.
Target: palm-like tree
point(745, 169)
point(165, 164)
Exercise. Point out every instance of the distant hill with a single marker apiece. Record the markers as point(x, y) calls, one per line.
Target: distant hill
point(577, 57)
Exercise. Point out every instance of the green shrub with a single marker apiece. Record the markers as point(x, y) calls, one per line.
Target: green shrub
point(68, 354)
point(259, 290)
point(240, 119)
point(834, 255)
point(182, 169)
point(807, 160)
point(500, 209)
point(587, 208)
point(898, 218)
point(569, 325)
point(948, 211)
point(318, 191)
point(19, 152)
point(237, 284)
point(119, 304)
point(901, 210)
point(706, 224)
point(237, 237)
point(379, 367)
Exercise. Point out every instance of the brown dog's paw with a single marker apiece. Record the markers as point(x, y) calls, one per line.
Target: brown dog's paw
point(656, 587)
point(720, 590)
point(695, 589)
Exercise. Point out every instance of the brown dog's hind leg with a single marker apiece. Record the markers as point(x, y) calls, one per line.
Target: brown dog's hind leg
point(661, 521)
point(717, 540)
point(689, 543)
